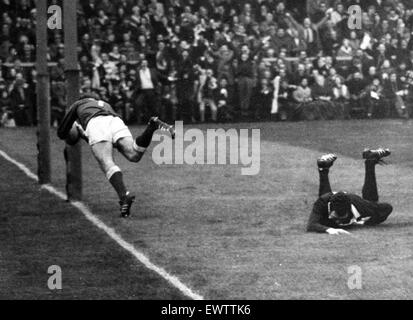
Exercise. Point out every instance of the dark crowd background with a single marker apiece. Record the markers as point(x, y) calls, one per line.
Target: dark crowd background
point(219, 60)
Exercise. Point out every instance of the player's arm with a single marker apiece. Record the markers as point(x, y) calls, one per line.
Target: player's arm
point(67, 122)
point(82, 132)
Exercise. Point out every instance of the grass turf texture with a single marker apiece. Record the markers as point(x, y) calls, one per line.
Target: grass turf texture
point(37, 231)
point(225, 235)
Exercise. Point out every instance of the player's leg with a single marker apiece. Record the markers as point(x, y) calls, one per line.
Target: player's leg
point(324, 164)
point(103, 153)
point(100, 135)
point(130, 150)
point(370, 191)
point(372, 157)
point(133, 150)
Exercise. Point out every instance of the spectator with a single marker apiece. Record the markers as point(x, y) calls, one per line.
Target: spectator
point(346, 50)
point(394, 94)
point(225, 101)
point(263, 100)
point(185, 87)
point(341, 97)
point(285, 100)
point(58, 102)
point(297, 44)
point(237, 40)
point(309, 32)
point(147, 88)
point(20, 104)
point(374, 99)
point(6, 116)
point(357, 86)
point(303, 92)
point(245, 75)
point(208, 91)
point(320, 90)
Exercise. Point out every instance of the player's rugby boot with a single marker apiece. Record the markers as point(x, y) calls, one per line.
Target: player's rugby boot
point(154, 121)
point(126, 204)
point(326, 161)
point(376, 155)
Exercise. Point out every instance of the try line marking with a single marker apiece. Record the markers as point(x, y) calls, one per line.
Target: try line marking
point(173, 280)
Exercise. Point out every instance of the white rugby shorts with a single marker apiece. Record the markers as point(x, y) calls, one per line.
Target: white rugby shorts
point(106, 129)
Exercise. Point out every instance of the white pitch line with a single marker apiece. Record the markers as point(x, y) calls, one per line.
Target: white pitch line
point(173, 280)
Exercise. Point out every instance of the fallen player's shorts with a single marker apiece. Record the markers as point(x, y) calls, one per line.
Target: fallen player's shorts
point(106, 129)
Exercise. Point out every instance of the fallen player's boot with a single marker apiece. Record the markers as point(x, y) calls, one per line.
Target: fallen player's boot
point(376, 155)
point(126, 204)
point(326, 161)
point(154, 121)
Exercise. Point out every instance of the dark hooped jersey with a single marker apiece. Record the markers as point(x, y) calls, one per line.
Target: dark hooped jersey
point(372, 212)
point(83, 111)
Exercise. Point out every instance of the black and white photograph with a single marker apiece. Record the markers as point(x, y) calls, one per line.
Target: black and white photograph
point(206, 150)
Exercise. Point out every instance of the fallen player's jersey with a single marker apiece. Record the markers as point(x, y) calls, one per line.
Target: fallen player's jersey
point(367, 212)
point(83, 111)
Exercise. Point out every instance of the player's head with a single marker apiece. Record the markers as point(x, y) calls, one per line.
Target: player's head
point(340, 208)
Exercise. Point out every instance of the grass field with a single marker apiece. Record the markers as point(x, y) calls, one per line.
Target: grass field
point(224, 235)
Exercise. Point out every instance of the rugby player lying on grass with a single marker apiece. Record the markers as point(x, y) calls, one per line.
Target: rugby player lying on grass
point(97, 123)
point(334, 212)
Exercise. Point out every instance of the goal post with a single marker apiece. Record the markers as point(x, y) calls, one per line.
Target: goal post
point(73, 154)
point(43, 96)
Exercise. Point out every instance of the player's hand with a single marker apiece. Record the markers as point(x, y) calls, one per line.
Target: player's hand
point(82, 132)
point(337, 232)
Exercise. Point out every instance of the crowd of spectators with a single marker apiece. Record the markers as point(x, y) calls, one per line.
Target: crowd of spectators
point(219, 60)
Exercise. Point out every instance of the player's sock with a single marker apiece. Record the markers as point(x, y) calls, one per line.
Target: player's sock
point(324, 187)
point(115, 178)
point(370, 191)
point(145, 139)
point(371, 163)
